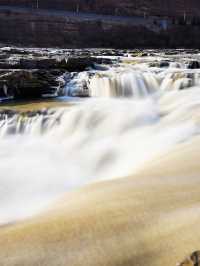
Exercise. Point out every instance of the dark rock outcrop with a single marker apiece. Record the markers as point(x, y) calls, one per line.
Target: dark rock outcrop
point(38, 63)
point(30, 83)
point(193, 65)
point(28, 73)
point(75, 64)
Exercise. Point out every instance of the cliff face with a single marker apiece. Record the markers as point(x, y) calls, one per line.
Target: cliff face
point(46, 29)
point(50, 28)
point(120, 7)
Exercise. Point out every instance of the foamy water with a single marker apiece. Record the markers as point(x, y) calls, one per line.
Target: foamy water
point(112, 136)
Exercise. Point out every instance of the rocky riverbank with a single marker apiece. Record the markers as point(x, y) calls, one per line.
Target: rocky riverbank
point(27, 73)
point(33, 73)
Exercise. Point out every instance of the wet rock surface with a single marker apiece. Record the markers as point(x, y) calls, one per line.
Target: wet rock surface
point(38, 72)
point(30, 73)
point(30, 83)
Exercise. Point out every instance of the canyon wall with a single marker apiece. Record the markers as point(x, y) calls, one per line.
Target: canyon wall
point(28, 28)
point(50, 30)
point(119, 7)
point(161, 23)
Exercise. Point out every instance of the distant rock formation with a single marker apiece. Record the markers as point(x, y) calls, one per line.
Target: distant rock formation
point(117, 7)
point(157, 23)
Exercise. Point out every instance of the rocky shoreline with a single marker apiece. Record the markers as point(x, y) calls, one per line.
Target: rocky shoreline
point(29, 73)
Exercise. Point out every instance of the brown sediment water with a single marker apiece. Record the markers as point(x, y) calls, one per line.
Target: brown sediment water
point(35, 105)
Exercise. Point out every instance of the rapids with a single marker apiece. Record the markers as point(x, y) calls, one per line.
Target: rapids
point(136, 81)
point(133, 116)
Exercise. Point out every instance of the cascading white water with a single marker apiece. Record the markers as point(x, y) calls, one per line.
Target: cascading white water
point(126, 84)
point(36, 124)
point(134, 82)
point(134, 115)
point(43, 156)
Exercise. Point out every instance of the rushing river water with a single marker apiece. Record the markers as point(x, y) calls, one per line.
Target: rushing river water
point(134, 114)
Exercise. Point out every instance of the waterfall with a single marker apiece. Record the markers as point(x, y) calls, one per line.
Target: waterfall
point(77, 84)
point(130, 83)
point(45, 154)
point(126, 84)
point(36, 123)
point(176, 80)
point(134, 114)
